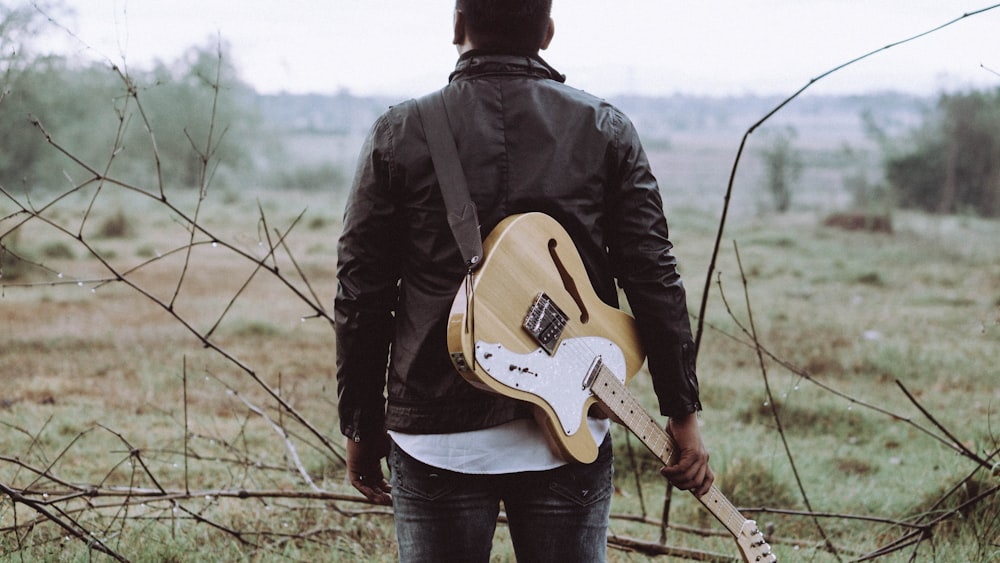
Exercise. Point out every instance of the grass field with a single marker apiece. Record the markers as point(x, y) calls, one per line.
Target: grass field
point(179, 406)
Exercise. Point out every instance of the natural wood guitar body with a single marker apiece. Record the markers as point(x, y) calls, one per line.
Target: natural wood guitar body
point(528, 325)
point(524, 255)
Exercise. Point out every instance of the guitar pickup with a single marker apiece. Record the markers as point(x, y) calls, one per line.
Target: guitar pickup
point(545, 322)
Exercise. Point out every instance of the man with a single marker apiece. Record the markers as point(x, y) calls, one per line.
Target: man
point(527, 142)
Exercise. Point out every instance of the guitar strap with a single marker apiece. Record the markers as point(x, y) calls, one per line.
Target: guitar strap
point(462, 217)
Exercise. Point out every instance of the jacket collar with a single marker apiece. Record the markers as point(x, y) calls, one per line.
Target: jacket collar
point(482, 61)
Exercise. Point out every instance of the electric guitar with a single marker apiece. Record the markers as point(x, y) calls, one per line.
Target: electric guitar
point(528, 325)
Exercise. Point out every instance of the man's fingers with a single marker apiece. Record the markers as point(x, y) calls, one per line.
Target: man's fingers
point(698, 482)
point(690, 474)
point(375, 489)
point(682, 478)
point(702, 481)
point(364, 468)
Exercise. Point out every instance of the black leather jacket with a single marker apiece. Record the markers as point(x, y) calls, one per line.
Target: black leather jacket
point(527, 142)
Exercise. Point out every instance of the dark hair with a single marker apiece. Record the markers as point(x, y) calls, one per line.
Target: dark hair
point(507, 24)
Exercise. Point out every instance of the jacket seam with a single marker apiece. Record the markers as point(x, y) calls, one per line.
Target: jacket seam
point(506, 146)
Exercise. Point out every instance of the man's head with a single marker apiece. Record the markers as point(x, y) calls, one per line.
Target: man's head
point(519, 26)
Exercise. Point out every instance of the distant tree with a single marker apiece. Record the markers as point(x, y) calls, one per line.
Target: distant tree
point(72, 103)
point(23, 81)
point(21, 24)
point(867, 195)
point(183, 107)
point(952, 160)
point(82, 104)
point(782, 167)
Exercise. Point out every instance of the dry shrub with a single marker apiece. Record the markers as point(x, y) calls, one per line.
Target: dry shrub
point(11, 266)
point(115, 226)
point(873, 279)
point(251, 329)
point(984, 514)
point(58, 250)
point(814, 419)
point(854, 466)
point(748, 482)
point(858, 221)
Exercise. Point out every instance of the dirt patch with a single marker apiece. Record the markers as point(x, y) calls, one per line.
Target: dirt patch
point(854, 221)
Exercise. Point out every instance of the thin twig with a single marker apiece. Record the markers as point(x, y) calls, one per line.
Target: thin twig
point(955, 443)
point(774, 408)
point(709, 274)
point(72, 527)
point(289, 446)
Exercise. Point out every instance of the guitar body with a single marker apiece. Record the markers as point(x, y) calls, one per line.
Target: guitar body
point(526, 255)
point(528, 325)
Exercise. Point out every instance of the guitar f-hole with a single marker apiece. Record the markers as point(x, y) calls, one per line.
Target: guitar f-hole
point(568, 281)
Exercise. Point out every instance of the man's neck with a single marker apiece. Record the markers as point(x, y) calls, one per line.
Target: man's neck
point(464, 53)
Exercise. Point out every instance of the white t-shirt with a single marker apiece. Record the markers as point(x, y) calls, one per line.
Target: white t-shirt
point(512, 447)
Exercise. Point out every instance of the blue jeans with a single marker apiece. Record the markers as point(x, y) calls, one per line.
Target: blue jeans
point(555, 515)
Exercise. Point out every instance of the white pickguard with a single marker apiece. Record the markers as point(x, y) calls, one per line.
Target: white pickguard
point(557, 379)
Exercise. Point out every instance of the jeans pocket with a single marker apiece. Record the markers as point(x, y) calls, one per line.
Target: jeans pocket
point(417, 479)
point(586, 483)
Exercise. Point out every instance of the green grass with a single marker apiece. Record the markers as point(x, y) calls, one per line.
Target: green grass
point(105, 386)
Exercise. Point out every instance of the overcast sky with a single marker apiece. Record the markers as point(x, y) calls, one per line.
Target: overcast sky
point(608, 47)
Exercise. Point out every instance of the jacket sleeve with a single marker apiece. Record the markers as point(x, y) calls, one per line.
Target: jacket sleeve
point(367, 289)
point(641, 258)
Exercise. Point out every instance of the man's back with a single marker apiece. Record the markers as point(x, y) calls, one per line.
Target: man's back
point(526, 142)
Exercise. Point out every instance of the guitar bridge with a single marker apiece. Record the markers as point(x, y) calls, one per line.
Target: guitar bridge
point(545, 322)
point(595, 368)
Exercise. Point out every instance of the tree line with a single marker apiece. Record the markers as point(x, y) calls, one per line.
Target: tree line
point(84, 107)
point(950, 163)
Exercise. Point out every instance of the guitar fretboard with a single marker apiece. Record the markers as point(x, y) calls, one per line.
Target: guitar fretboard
point(613, 394)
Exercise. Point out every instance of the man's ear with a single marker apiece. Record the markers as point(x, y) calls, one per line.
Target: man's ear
point(549, 32)
point(459, 28)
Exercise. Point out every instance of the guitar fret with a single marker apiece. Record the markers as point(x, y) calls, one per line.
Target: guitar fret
point(626, 407)
point(613, 394)
point(724, 510)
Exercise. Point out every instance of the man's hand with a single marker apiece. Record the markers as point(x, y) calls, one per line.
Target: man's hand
point(364, 468)
point(689, 470)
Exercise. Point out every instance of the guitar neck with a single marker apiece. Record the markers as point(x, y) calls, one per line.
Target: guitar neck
point(616, 398)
